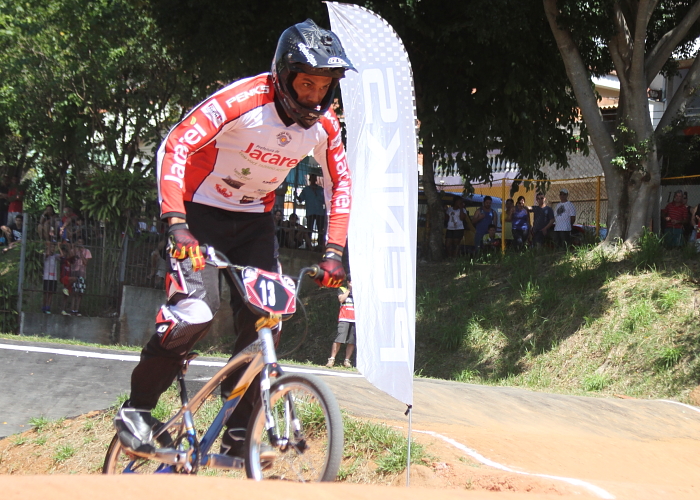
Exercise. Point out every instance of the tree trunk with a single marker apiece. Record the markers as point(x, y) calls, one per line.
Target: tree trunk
point(436, 214)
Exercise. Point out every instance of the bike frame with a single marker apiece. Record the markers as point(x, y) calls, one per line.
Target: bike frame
point(261, 359)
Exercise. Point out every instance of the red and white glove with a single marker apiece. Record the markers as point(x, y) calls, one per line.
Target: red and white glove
point(332, 272)
point(181, 245)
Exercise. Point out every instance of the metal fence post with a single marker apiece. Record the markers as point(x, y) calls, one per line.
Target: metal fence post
point(122, 264)
point(22, 257)
point(503, 215)
point(597, 209)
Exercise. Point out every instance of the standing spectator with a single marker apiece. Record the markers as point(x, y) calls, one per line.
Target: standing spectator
point(508, 227)
point(456, 215)
point(482, 219)
point(15, 197)
point(13, 232)
point(521, 223)
point(4, 203)
point(52, 261)
point(564, 218)
point(81, 255)
point(47, 224)
point(314, 202)
point(279, 231)
point(346, 326)
point(159, 266)
point(67, 280)
point(675, 215)
point(543, 220)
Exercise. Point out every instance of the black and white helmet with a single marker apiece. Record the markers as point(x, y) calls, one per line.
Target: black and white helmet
point(306, 48)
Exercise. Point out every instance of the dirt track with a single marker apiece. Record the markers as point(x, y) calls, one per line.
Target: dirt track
point(596, 448)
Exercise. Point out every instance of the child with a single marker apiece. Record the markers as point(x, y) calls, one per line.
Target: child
point(51, 262)
point(492, 239)
point(66, 279)
point(81, 255)
point(346, 326)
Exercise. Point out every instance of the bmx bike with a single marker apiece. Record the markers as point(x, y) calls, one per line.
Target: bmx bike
point(295, 430)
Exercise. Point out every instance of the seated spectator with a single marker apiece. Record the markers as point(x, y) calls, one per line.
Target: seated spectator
point(675, 214)
point(296, 235)
point(491, 240)
point(13, 232)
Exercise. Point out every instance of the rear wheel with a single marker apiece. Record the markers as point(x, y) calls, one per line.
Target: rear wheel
point(306, 413)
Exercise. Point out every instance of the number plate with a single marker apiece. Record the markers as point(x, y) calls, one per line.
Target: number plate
point(268, 291)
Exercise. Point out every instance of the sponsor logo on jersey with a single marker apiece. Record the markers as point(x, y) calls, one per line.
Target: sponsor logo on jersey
point(305, 51)
point(262, 191)
point(192, 136)
point(337, 60)
point(274, 180)
point(213, 111)
point(223, 191)
point(337, 140)
point(243, 173)
point(247, 94)
point(284, 138)
point(268, 157)
point(247, 200)
point(234, 183)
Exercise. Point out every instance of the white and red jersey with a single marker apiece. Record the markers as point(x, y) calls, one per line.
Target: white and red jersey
point(347, 307)
point(233, 150)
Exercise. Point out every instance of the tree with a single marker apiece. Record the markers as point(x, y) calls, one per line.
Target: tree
point(636, 39)
point(86, 86)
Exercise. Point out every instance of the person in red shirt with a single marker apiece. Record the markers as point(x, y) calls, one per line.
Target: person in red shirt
point(346, 326)
point(675, 215)
point(15, 196)
point(217, 173)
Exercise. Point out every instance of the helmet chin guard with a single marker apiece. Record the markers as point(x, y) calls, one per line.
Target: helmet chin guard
point(306, 48)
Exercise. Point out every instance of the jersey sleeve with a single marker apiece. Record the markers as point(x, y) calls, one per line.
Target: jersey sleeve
point(331, 156)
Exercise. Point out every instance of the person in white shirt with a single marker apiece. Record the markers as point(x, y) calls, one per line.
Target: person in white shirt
point(564, 218)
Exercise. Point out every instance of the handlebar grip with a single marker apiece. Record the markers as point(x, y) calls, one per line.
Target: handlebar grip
point(315, 271)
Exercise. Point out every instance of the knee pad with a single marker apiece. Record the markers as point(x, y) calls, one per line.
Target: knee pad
point(177, 330)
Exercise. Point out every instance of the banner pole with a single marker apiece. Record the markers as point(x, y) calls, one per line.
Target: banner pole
point(408, 445)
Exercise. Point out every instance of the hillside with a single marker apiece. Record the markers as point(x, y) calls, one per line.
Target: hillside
point(587, 322)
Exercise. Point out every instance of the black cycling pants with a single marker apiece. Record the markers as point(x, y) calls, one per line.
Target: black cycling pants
point(247, 239)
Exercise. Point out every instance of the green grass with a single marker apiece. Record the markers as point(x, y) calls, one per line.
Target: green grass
point(63, 453)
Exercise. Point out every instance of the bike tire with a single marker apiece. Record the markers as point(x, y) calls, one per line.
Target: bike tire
point(322, 431)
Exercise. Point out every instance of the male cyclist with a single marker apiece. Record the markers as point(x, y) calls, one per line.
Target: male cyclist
point(217, 174)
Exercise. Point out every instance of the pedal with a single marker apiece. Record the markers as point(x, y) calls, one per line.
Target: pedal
point(224, 462)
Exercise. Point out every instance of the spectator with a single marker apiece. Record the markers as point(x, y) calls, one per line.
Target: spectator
point(159, 266)
point(675, 215)
point(47, 224)
point(346, 326)
point(296, 235)
point(521, 224)
point(67, 280)
point(483, 217)
point(51, 268)
point(68, 229)
point(491, 241)
point(4, 203)
point(564, 218)
point(455, 215)
point(15, 197)
point(81, 255)
point(314, 202)
point(13, 232)
point(543, 220)
point(279, 230)
point(508, 227)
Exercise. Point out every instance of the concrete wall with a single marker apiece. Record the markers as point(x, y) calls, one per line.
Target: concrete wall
point(135, 324)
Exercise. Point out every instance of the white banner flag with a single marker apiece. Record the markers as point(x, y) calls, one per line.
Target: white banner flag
point(380, 116)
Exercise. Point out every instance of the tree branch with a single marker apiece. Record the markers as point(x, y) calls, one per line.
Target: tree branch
point(644, 8)
point(619, 47)
point(668, 43)
point(581, 83)
point(680, 99)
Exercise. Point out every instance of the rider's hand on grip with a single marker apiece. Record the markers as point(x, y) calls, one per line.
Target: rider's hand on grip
point(331, 272)
point(183, 245)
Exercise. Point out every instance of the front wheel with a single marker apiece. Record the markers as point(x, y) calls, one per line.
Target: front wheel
point(306, 415)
